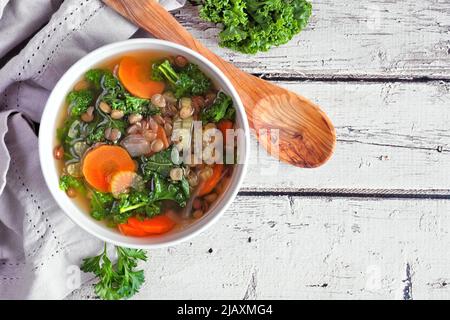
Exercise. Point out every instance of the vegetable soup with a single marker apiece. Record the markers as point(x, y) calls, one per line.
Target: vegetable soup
point(128, 143)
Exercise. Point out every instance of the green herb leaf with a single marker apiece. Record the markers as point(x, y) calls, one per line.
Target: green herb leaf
point(79, 101)
point(115, 95)
point(95, 76)
point(119, 280)
point(222, 108)
point(188, 81)
point(91, 264)
point(162, 71)
point(160, 163)
point(133, 203)
point(135, 105)
point(68, 181)
point(164, 189)
point(101, 204)
point(192, 82)
point(96, 135)
point(250, 26)
point(63, 135)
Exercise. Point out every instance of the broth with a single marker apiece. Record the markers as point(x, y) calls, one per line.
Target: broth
point(182, 212)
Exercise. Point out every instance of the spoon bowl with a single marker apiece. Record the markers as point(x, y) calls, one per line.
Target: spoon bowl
point(290, 127)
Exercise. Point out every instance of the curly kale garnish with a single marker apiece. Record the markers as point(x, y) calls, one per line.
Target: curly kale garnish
point(250, 26)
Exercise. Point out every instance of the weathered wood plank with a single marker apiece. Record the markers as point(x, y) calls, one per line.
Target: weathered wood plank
point(390, 136)
point(367, 38)
point(282, 247)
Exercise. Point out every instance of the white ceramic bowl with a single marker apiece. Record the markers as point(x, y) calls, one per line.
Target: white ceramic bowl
point(54, 111)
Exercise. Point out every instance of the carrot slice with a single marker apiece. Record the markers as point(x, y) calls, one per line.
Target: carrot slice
point(156, 225)
point(135, 76)
point(128, 230)
point(121, 181)
point(208, 185)
point(101, 163)
point(223, 126)
point(161, 134)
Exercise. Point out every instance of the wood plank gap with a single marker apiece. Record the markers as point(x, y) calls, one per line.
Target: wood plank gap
point(351, 78)
point(352, 193)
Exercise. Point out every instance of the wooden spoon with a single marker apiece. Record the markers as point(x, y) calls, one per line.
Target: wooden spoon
point(306, 135)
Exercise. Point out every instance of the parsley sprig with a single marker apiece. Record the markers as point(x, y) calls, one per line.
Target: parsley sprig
point(119, 280)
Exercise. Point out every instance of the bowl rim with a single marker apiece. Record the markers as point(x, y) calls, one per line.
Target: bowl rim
point(47, 136)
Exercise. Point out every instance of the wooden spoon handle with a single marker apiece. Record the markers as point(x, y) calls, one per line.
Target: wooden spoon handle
point(152, 17)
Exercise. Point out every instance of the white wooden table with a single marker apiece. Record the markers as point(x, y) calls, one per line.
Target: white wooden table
point(374, 222)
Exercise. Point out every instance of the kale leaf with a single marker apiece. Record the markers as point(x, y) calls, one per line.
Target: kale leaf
point(67, 181)
point(71, 124)
point(222, 108)
point(250, 26)
point(96, 135)
point(101, 204)
point(164, 71)
point(156, 171)
point(187, 81)
point(111, 84)
point(138, 105)
point(164, 189)
point(115, 95)
point(149, 203)
point(192, 81)
point(132, 203)
point(95, 76)
point(79, 101)
point(113, 92)
point(75, 130)
point(160, 163)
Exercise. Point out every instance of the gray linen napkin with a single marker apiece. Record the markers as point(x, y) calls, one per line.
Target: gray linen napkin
point(39, 246)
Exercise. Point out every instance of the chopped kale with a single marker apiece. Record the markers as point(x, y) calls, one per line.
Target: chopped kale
point(188, 81)
point(101, 204)
point(160, 163)
point(164, 189)
point(67, 181)
point(79, 101)
point(222, 108)
point(95, 76)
